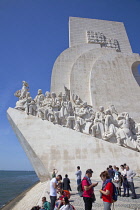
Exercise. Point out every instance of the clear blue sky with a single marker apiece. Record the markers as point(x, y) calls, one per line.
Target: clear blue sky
point(32, 34)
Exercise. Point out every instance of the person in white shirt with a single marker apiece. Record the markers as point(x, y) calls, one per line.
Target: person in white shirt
point(129, 175)
point(78, 174)
point(66, 204)
point(124, 182)
point(53, 190)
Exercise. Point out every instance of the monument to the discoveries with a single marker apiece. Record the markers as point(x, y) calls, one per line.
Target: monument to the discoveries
point(91, 116)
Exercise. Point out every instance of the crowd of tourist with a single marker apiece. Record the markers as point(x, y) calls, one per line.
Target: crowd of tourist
point(112, 181)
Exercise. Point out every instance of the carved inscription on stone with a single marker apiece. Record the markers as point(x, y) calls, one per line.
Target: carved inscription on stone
point(99, 38)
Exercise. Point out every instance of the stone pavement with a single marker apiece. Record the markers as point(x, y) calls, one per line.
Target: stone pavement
point(123, 203)
point(33, 196)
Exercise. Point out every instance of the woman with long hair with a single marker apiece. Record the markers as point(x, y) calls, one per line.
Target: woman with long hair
point(66, 204)
point(107, 190)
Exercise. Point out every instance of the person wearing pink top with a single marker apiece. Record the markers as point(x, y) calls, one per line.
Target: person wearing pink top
point(87, 187)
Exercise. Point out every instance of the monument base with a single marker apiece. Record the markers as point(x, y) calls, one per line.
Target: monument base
point(50, 146)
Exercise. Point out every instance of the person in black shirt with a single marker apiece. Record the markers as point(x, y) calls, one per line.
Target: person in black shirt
point(66, 183)
point(111, 172)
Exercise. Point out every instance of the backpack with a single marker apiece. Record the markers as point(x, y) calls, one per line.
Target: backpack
point(79, 187)
point(115, 193)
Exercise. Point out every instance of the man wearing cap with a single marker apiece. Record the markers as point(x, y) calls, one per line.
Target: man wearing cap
point(87, 187)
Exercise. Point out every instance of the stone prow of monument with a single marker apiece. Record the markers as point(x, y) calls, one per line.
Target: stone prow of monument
point(51, 146)
point(100, 68)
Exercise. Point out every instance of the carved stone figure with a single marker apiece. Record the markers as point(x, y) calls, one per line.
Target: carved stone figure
point(20, 104)
point(70, 122)
point(43, 105)
point(89, 122)
point(138, 136)
point(97, 129)
point(54, 102)
point(49, 113)
point(33, 108)
point(28, 101)
point(110, 127)
point(47, 99)
point(102, 114)
point(78, 124)
point(66, 110)
point(80, 115)
point(67, 93)
point(39, 98)
point(113, 110)
point(124, 134)
point(59, 97)
point(22, 93)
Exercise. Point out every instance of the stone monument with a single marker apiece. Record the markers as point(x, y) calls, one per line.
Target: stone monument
point(91, 115)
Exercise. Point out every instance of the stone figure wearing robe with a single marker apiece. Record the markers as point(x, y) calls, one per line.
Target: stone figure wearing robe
point(24, 89)
point(20, 104)
point(39, 98)
point(23, 103)
point(89, 122)
point(66, 110)
point(54, 102)
point(49, 113)
point(138, 136)
point(28, 102)
point(44, 102)
point(97, 129)
point(22, 93)
point(124, 134)
point(33, 108)
point(80, 116)
point(110, 127)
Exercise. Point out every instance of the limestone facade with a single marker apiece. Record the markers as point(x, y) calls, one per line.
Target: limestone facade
point(51, 146)
point(108, 76)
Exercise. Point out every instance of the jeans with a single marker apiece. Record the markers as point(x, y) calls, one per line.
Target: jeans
point(125, 187)
point(131, 186)
point(88, 203)
point(53, 199)
point(107, 206)
point(78, 181)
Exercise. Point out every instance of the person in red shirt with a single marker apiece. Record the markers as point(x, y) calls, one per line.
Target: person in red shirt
point(107, 190)
point(63, 194)
point(87, 187)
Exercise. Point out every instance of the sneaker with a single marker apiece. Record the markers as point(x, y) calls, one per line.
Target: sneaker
point(123, 195)
point(134, 197)
point(127, 195)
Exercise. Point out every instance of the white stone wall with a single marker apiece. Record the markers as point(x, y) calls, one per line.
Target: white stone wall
point(63, 66)
point(62, 148)
point(80, 76)
point(99, 77)
point(111, 29)
point(112, 82)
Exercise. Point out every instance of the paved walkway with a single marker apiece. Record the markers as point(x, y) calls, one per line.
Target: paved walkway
point(123, 203)
point(30, 198)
